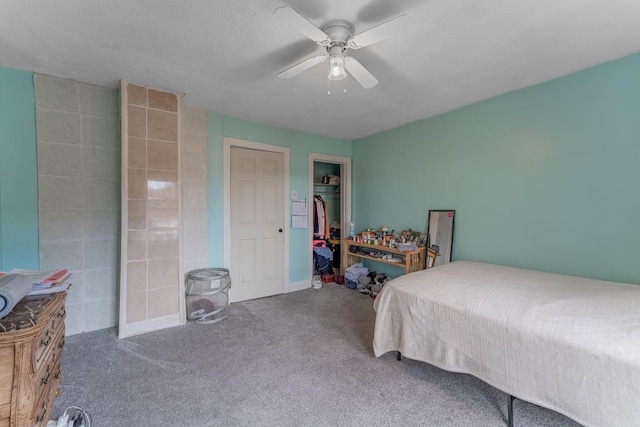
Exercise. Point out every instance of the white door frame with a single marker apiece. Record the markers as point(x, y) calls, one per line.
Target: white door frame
point(226, 152)
point(345, 201)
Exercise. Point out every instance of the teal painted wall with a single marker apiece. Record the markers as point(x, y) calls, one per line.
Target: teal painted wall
point(300, 145)
point(547, 177)
point(18, 172)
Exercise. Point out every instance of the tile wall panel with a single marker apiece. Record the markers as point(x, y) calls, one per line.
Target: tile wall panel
point(137, 214)
point(136, 95)
point(100, 193)
point(152, 195)
point(137, 152)
point(162, 184)
point(136, 306)
point(162, 155)
point(161, 100)
point(162, 125)
point(99, 131)
point(79, 177)
point(162, 302)
point(78, 131)
point(193, 148)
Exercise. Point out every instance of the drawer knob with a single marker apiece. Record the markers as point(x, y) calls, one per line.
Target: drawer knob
point(40, 418)
point(45, 380)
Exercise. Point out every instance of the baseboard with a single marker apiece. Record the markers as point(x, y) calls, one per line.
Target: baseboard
point(298, 286)
point(145, 326)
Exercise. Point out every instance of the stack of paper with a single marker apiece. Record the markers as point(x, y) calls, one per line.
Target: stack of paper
point(13, 288)
point(46, 282)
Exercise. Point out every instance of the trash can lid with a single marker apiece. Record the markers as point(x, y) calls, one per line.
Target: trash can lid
point(208, 274)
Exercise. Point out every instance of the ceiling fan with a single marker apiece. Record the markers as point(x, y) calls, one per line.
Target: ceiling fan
point(337, 36)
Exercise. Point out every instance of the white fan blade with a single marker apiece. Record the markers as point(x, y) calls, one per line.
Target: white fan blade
point(300, 67)
point(390, 28)
point(361, 74)
point(292, 18)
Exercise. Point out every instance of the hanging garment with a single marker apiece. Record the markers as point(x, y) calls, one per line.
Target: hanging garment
point(320, 217)
point(315, 218)
point(327, 230)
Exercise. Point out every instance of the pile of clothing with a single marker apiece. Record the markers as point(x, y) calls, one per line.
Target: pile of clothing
point(364, 281)
point(322, 257)
point(353, 273)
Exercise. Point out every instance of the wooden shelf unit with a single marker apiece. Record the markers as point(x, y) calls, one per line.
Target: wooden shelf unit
point(413, 260)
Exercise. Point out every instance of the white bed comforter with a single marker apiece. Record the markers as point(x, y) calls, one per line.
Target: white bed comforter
point(566, 343)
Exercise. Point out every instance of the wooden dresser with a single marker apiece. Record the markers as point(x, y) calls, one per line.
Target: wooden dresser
point(31, 344)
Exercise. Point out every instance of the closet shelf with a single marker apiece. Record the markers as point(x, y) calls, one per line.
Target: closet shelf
point(328, 190)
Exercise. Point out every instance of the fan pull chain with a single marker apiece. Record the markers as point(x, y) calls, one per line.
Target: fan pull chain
point(344, 89)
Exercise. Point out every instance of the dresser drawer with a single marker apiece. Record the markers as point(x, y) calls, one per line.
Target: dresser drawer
point(44, 375)
point(45, 341)
point(42, 413)
point(43, 408)
point(47, 384)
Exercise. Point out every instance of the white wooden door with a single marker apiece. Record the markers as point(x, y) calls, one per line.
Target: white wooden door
point(257, 224)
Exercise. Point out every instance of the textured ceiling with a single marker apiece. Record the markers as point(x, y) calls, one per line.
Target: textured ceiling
point(224, 54)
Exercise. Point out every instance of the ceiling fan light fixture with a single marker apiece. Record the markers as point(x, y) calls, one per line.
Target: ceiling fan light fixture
point(336, 36)
point(336, 70)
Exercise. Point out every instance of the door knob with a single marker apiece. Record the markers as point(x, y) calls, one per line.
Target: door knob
point(280, 230)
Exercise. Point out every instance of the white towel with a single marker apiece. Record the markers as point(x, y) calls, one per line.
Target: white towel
point(13, 287)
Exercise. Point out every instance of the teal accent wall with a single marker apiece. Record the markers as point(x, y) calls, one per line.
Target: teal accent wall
point(300, 145)
point(18, 172)
point(546, 178)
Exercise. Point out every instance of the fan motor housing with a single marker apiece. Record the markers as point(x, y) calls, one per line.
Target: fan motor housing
point(339, 31)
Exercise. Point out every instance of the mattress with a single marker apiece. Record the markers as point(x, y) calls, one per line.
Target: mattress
point(567, 343)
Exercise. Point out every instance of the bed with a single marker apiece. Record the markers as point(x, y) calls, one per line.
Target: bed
point(566, 343)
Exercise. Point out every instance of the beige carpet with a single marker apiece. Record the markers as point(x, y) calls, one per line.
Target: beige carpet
point(300, 359)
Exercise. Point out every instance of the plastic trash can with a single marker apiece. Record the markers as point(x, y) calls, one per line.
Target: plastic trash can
point(207, 297)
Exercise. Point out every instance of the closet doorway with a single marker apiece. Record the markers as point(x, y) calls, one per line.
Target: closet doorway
point(336, 194)
point(263, 271)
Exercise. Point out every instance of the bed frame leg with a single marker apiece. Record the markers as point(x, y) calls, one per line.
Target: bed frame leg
point(398, 355)
point(510, 411)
